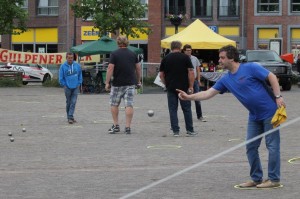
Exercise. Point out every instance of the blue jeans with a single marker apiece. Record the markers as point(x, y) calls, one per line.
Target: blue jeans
point(197, 103)
point(256, 128)
point(71, 99)
point(186, 108)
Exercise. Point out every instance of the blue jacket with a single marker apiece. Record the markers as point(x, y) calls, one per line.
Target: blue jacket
point(70, 75)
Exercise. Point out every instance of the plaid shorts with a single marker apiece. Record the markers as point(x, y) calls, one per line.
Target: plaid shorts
point(125, 92)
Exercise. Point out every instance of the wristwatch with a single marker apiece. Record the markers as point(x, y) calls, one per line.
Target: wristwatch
point(278, 96)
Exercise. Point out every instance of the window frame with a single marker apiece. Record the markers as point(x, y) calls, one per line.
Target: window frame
point(290, 7)
point(202, 8)
point(237, 7)
point(49, 8)
point(267, 13)
point(176, 7)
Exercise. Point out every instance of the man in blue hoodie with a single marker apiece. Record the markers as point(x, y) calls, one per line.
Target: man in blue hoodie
point(70, 77)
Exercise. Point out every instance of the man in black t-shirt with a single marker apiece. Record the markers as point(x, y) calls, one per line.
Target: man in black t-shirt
point(177, 71)
point(125, 69)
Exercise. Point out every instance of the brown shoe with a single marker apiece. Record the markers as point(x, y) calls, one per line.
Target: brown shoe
point(74, 121)
point(70, 121)
point(268, 184)
point(249, 184)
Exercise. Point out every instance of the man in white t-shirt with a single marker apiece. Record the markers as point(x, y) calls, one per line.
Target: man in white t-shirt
point(187, 49)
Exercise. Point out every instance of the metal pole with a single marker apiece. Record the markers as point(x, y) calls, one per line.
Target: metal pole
point(243, 24)
point(74, 41)
point(68, 26)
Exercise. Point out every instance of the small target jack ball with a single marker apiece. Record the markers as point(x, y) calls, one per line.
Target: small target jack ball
point(24, 130)
point(12, 139)
point(9, 133)
point(150, 113)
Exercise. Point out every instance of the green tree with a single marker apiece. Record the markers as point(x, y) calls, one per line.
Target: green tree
point(13, 18)
point(111, 16)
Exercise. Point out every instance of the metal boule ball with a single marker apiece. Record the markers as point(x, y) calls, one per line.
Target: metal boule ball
point(150, 113)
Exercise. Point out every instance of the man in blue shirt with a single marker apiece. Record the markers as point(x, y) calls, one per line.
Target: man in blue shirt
point(70, 77)
point(247, 82)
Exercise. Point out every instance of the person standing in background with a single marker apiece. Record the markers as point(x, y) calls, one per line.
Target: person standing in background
point(187, 49)
point(177, 71)
point(70, 77)
point(125, 69)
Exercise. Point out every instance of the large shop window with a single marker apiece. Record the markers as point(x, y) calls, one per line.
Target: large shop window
point(229, 8)
point(36, 48)
point(175, 7)
point(201, 8)
point(48, 7)
point(267, 6)
point(264, 36)
point(295, 40)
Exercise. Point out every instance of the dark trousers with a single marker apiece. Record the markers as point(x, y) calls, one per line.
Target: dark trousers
point(197, 103)
point(173, 108)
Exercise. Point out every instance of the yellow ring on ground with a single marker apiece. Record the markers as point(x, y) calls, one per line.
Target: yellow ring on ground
point(254, 188)
point(164, 147)
point(293, 160)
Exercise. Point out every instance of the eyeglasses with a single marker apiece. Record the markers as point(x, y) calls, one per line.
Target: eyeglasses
point(188, 50)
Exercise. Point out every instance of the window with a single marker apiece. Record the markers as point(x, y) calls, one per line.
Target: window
point(25, 4)
point(201, 8)
point(175, 7)
point(228, 8)
point(295, 6)
point(145, 3)
point(48, 7)
point(268, 6)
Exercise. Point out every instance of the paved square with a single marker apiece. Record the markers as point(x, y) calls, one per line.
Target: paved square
point(54, 159)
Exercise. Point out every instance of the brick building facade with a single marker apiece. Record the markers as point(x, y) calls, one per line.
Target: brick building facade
point(53, 28)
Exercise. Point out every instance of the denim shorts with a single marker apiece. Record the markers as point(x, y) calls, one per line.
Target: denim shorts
point(125, 92)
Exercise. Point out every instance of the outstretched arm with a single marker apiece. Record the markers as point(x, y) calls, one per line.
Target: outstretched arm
point(203, 95)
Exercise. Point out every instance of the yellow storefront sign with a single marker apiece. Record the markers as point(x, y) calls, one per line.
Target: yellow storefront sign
point(89, 33)
point(142, 36)
point(24, 37)
point(46, 35)
point(267, 33)
point(296, 33)
point(43, 35)
point(229, 31)
point(171, 30)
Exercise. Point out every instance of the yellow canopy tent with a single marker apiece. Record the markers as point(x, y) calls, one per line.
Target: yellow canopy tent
point(199, 36)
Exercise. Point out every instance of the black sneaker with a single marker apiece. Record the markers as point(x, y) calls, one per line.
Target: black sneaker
point(127, 130)
point(114, 129)
point(191, 133)
point(176, 134)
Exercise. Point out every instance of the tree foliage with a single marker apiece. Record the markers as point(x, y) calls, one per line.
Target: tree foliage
point(111, 16)
point(13, 18)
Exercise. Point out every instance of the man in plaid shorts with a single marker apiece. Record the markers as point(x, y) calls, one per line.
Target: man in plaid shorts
point(125, 69)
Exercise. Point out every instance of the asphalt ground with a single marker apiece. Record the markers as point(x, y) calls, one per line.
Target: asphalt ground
point(54, 159)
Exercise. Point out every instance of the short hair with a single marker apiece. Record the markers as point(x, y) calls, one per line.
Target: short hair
point(231, 52)
point(69, 53)
point(122, 41)
point(186, 46)
point(176, 45)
